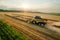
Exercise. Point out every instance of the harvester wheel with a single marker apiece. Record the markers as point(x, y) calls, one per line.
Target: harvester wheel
point(34, 22)
point(41, 24)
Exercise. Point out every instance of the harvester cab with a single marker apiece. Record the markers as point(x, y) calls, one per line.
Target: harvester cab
point(38, 17)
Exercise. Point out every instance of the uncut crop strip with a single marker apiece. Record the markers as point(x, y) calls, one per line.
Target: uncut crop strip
point(7, 33)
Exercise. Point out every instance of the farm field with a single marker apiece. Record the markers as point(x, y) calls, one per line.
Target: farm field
point(17, 21)
point(8, 33)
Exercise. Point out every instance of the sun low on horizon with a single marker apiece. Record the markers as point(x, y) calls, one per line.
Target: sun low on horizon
point(25, 6)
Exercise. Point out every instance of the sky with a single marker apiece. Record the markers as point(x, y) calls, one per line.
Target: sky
point(33, 5)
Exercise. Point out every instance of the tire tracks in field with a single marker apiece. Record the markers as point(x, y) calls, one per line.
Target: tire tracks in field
point(34, 35)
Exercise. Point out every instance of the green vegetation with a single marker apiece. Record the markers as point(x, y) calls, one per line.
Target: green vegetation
point(1, 10)
point(8, 33)
point(57, 14)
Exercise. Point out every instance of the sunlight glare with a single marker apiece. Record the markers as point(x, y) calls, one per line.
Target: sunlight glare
point(25, 6)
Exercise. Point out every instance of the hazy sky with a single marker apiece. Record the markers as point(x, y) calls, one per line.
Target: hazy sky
point(34, 5)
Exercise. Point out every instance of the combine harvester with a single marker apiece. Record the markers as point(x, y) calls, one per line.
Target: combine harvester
point(37, 20)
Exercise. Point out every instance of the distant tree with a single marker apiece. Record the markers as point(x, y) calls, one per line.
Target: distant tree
point(1, 10)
